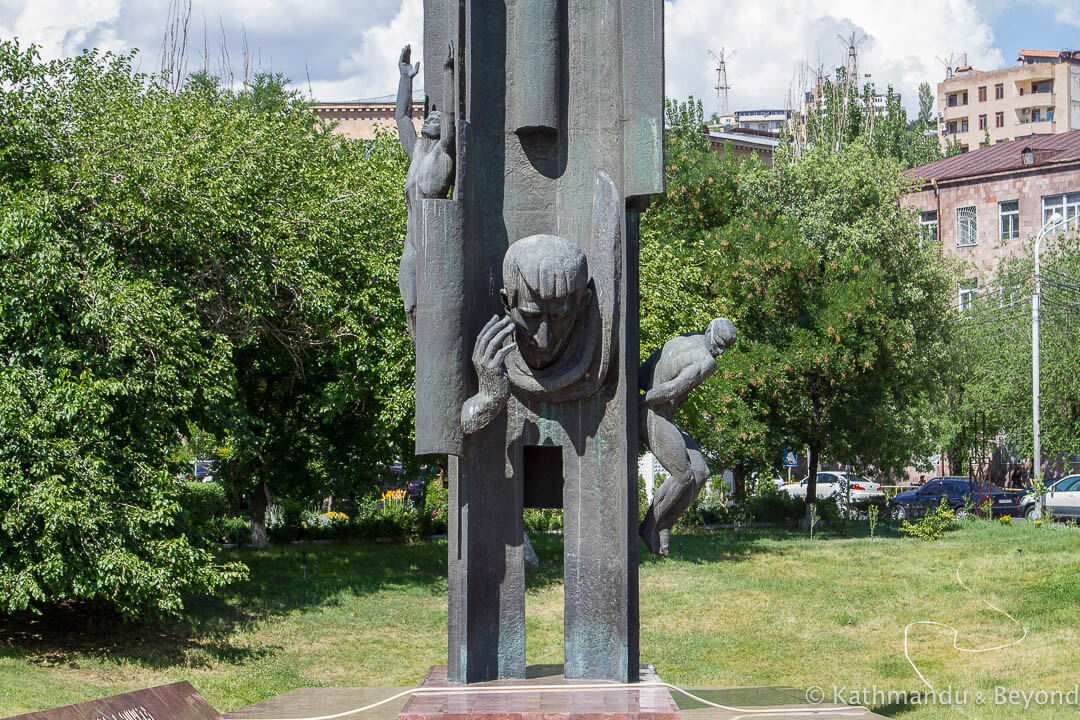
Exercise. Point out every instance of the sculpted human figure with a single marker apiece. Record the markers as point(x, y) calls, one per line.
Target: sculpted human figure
point(545, 294)
point(431, 167)
point(667, 378)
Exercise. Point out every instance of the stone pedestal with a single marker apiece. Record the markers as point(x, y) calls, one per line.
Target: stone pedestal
point(560, 704)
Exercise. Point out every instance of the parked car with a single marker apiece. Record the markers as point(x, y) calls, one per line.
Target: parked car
point(959, 493)
point(831, 483)
point(1062, 498)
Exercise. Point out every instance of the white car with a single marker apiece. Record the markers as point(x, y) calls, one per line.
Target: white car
point(1062, 498)
point(835, 483)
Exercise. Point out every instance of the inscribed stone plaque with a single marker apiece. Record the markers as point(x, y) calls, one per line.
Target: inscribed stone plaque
point(178, 701)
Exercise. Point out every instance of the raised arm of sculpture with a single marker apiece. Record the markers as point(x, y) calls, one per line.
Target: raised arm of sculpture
point(403, 112)
point(447, 129)
point(493, 344)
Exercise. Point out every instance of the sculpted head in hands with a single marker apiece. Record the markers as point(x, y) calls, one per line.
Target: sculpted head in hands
point(545, 289)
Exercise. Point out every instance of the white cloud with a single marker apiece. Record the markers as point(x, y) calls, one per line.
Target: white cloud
point(61, 27)
point(350, 47)
point(903, 37)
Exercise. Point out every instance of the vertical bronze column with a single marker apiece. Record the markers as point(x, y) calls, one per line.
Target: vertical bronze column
point(533, 65)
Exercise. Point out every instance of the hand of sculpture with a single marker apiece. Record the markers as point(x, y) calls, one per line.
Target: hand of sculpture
point(489, 357)
point(405, 63)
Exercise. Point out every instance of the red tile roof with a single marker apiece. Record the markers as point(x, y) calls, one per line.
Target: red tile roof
point(1039, 53)
point(1049, 149)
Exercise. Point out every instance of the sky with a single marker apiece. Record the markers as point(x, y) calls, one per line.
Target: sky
point(347, 49)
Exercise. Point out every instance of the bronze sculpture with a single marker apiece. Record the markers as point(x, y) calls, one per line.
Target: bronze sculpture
point(431, 166)
point(667, 378)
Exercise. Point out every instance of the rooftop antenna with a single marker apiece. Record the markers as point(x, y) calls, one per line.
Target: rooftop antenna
point(852, 44)
point(949, 63)
point(722, 86)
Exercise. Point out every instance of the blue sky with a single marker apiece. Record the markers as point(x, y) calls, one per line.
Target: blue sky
point(1032, 26)
point(349, 47)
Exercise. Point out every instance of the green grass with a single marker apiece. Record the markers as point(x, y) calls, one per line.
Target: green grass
point(746, 608)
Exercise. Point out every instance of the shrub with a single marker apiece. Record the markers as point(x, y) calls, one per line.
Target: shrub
point(200, 503)
point(235, 530)
point(436, 507)
point(933, 524)
point(771, 505)
point(543, 519)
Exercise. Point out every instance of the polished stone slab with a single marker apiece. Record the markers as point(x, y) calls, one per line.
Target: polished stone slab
point(564, 704)
point(315, 702)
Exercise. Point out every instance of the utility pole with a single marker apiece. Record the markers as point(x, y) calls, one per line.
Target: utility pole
point(722, 85)
point(1036, 299)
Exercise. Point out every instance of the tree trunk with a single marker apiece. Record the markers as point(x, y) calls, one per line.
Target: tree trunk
point(258, 515)
point(811, 481)
point(739, 473)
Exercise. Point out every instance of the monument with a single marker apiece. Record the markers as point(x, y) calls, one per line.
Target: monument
point(542, 145)
point(550, 129)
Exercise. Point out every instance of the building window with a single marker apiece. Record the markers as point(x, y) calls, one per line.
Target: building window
point(1036, 115)
point(999, 119)
point(928, 225)
point(1042, 86)
point(952, 127)
point(982, 94)
point(982, 122)
point(999, 91)
point(1069, 207)
point(964, 125)
point(1010, 219)
point(967, 226)
point(968, 291)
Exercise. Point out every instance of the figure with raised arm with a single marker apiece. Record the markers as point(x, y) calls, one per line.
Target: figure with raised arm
point(667, 378)
point(431, 166)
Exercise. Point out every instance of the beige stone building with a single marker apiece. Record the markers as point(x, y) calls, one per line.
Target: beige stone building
point(984, 205)
point(744, 143)
point(358, 118)
point(1038, 96)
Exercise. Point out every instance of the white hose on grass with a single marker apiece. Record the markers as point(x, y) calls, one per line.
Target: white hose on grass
point(956, 636)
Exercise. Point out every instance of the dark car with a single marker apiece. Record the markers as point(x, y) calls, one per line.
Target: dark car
point(956, 491)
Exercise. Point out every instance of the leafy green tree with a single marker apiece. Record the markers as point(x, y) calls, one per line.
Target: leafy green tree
point(865, 333)
point(844, 113)
point(179, 259)
point(995, 390)
point(681, 273)
point(926, 105)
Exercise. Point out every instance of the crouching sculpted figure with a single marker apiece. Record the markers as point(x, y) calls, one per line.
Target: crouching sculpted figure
point(667, 378)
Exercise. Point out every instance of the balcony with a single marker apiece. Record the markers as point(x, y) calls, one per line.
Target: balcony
point(1034, 127)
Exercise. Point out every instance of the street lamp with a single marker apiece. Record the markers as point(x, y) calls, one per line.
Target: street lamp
point(1036, 419)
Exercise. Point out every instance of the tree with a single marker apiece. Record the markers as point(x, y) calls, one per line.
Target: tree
point(174, 259)
point(843, 113)
point(995, 388)
point(926, 105)
point(865, 331)
point(681, 271)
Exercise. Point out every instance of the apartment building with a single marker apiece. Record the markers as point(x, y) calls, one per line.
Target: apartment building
point(1038, 96)
point(984, 205)
point(772, 121)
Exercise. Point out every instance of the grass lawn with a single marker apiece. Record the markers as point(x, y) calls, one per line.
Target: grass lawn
point(745, 608)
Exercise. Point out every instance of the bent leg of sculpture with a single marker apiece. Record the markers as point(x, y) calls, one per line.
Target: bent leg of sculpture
point(670, 446)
